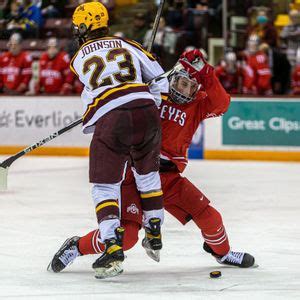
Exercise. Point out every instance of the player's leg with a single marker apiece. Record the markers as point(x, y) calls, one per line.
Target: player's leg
point(90, 244)
point(145, 156)
point(185, 202)
point(131, 220)
point(109, 152)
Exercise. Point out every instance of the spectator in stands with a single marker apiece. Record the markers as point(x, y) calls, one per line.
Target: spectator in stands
point(10, 18)
point(15, 66)
point(196, 20)
point(291, 36)
point(175, 12)
point(236, 77)
point(258, 61)
point(280, 68)
point(138, 29)
point(27, 20)
point(157, 47)
point(53, 8)
point(55, 76)
point(264, 29)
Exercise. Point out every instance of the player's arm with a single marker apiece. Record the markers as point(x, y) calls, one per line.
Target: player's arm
point(150, 69)
point(217, 101)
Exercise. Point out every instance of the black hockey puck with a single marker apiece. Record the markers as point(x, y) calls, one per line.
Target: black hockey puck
point(215, 274)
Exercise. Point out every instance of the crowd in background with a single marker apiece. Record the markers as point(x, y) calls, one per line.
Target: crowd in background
point(36, 45)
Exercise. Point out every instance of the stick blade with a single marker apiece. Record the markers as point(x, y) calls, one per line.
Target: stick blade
point(3, 178)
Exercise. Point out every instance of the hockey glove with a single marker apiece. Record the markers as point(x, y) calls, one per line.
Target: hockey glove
point(194, 63)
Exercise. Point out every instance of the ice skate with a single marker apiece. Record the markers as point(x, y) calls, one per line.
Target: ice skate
point(152, 241)
point(109, 264)
point(65, 255)
point(237, 259)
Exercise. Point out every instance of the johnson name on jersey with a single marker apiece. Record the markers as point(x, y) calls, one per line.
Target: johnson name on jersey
point(113, 71)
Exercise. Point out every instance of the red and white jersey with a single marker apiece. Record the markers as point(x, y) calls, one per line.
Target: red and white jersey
point(179, 122)
point(296, 80)
point(113, 71)
point(15, 70)
point(262, 72)
point(55, 72)
point(237, 82)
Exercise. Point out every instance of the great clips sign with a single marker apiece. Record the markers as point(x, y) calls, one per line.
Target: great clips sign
point(262, 123)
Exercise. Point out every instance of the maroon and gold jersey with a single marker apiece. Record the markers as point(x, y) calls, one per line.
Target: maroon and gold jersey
point(179, 122)
point(113, 71)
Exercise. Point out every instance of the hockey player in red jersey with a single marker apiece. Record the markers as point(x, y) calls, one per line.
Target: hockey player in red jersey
point(55, 74)
point(296, 80)
point(235, 77)
point(15, 66)
point(258, 61)
point(181, 114)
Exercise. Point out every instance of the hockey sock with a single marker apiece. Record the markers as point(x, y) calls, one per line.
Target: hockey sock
point(213, 231)
point(90, 243)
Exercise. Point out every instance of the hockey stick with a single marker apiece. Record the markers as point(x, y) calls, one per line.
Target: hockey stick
point(155, 25)
point(8, 162)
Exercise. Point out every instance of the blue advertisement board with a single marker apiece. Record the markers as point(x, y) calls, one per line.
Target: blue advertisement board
point(196, 148)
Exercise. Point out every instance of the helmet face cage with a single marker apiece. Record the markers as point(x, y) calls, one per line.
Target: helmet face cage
point(80, 33)
point(183, 88)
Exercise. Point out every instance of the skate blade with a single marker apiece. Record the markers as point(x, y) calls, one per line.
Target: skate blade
point(254, 266)
point(115, 269)
point(49, 268)
point(3, 178)
point(153, 254)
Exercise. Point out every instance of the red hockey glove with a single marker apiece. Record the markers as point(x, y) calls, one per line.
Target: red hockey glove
point(193, 55)
point(195, 64)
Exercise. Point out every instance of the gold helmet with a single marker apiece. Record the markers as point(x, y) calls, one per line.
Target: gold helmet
point(88, 17)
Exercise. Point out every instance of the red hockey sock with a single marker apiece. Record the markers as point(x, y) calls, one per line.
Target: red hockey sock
point(213, 231)
point(90, 243)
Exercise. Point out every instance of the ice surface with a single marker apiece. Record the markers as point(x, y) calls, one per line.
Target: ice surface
point(48, 200)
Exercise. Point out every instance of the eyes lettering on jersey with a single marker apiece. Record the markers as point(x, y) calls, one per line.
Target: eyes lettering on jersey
point(173, 114)
point(99, 65)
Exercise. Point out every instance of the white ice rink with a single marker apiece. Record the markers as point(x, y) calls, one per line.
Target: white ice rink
point(49, 200)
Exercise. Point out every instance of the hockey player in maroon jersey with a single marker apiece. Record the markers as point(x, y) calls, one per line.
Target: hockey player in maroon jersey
point(55, 74)
point(195, 95)
point(15, 66)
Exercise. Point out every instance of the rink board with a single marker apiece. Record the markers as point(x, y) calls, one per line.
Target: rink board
point(26, 120)
point(253, 128)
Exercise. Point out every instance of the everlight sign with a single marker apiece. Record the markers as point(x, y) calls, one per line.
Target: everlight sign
point(262, 123)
